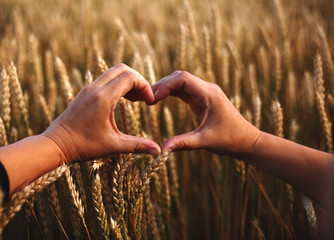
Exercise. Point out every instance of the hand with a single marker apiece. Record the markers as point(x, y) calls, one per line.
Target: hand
point(223, 130)
point(87, 128)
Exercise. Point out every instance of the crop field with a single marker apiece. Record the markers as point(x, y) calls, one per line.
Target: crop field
point(272, 58)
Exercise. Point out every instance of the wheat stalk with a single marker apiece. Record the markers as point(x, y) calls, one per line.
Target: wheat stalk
point(310, 215)
point(326, 55)
point(17, 95)
point(146, 176)
point(320, 100)
point(45, 109)
point(76, 200)
point(3, 136)
point(51, 86)
point(98, 205)
point(38, 80)
point(119, 50)
point(65, 86)
point(21, 196)
point(5, 97)
point(88, 78)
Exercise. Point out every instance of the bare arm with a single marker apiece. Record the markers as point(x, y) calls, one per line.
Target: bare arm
point(223, 130)
point(305, 168)
point(86, 130)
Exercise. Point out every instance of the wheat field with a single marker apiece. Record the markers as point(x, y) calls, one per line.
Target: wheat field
point(273, 59)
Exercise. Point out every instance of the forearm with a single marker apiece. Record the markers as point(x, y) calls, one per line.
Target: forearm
point(303, 167)
point(28, 159)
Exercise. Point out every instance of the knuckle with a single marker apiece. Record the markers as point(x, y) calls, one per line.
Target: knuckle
point(99, 97)
point(216, 92)
point(215, 88)
point(184, 74)
point(129, 76)
point(89, 89)
point(122, 66)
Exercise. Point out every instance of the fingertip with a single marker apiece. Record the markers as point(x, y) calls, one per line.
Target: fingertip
point(156, 94)
point(150, 100)
point(154, 149)
point(169, 145)
point(152, 103)
point(154, 87)
point(154, 152)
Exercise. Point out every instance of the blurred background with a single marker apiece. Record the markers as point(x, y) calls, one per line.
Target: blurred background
point(273, 59)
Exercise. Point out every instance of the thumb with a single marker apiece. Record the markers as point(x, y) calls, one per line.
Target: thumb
point(187, 141)
point(138, 145)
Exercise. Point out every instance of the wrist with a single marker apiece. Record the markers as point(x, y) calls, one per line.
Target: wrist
point(255, 149)
point(58, 157)
point(62, 139)
point(247, 144)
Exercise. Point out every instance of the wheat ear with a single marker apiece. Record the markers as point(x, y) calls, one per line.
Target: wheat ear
point(51, 86)
point(172, 161)
point(36, 64)
point(65, 86)
point(310, 216)
point(181, 48)
point(3, 136)
point(190, 23)
point(54, 200)
point(98, 205)
point(327, 56)
point(320, 99)
point(278, 118)
point(208, 54)
point(151, 215)
point(119, 50)
point(21, 196)
point(148, 173)
point(88, 78)
point(45, 109)
point(76, 201)
point(277, 70)
point(102, 65)
point(121, 166)
point(16, 93)
point(226, 69)
point(5, 98)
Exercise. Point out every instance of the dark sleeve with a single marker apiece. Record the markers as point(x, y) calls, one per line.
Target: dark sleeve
point(4, 182)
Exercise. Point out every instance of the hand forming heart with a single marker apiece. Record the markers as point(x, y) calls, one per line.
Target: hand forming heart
point(87, 128)
point(223, 130)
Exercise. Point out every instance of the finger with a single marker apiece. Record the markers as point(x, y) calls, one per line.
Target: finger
point(112, 73)
point(131, 85)
point(161, 81)
point(135, 144)
point(168, 86)
point(183, 85)
point(187, 141)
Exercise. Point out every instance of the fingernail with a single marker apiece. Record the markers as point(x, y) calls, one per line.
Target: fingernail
point(154, 152)
point(156, 93)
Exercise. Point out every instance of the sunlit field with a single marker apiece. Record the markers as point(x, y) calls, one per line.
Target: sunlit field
point(273, 59)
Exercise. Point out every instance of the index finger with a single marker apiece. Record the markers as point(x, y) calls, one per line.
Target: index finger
point(132, 86)
point(181, 84)
point(113, 73)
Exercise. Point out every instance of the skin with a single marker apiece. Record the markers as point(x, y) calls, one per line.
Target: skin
point(223, 130)
point(86, 130)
